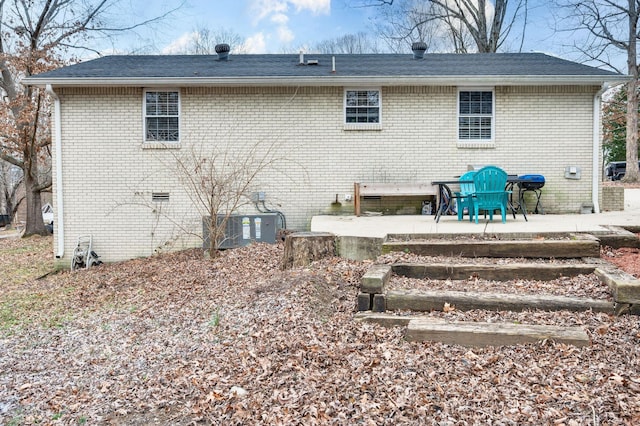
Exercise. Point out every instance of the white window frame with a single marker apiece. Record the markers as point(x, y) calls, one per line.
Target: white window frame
point(151, 142)
point(492, 116)
point(362, 126)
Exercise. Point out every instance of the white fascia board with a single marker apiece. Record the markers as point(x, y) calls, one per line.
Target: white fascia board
point(336, 80)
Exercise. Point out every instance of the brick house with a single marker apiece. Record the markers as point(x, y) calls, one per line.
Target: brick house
point(119, 120)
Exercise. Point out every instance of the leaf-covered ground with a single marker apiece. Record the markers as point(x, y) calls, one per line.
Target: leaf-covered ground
point(177, 339)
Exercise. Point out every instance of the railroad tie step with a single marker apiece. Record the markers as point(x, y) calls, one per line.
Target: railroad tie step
point(372, 287)
point(492, 334)
point(499, 272)
point(574, 247)
point(423, 300)
point(423, 328)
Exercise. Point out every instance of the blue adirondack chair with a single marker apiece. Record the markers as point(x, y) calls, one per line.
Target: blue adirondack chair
point(490, 194)
point(463, 198)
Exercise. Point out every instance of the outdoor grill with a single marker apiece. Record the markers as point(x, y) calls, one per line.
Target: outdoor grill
point(531, 182)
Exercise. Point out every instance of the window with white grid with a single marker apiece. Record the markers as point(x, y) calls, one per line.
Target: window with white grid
point(362, 106)
point(475, 115)
point(162, 116)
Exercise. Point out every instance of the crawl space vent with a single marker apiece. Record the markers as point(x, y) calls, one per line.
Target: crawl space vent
point(159, 197)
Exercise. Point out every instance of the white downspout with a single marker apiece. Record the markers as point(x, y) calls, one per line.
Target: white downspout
point(596, 174)
point(59, 222)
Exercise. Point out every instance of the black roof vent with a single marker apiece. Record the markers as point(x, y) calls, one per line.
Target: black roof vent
point(223, 51)
point(419, 47)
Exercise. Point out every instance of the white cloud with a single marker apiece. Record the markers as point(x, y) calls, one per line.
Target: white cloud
point(280, 19)
point(256, 43)
point(316, 6)
point(278, 12)
point(285, 35)
point(180, 44)
point(264, 8)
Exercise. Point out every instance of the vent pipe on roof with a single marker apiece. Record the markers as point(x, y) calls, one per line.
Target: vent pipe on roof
point(419, 47)
point(223, 51)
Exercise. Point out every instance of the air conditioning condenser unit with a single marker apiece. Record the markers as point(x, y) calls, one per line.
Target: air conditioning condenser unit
point(243, 229)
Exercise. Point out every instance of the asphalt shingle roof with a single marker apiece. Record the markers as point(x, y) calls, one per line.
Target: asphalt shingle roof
point(188, 66)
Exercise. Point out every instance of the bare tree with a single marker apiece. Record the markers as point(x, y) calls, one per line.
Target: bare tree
point(409, 22)
point(611, 27)
point(219, 180)
point(10, 184)
point(489, 24)
point(349, 43)
point(203, 40)
point(36, 36)
point(614, 122)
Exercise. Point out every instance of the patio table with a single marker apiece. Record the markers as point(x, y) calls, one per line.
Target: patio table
point(518, 205)
point(444, 200)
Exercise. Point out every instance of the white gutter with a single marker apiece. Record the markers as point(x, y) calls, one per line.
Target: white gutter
point(596, 174)
point(59, 222)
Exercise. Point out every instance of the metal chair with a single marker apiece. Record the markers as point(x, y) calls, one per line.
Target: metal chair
point(490, 194)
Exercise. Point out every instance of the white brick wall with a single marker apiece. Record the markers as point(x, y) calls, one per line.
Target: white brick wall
point(106, 170)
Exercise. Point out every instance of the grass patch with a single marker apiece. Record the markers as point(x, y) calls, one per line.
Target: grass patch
point(22, 309)
point(24, 301)
point(8, 317)
point(23, 259)
point(214, 321)
point(16, 250)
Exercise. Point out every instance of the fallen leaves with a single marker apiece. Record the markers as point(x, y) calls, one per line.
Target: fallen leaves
point(446, 308)
point(176, 339)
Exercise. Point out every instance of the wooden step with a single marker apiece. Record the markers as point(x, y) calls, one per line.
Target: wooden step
point(434, 300)
point(504, 272)
point(625, 288)
point(492, 334)
point(582, 246)
point(386, 319)
point(375, 279)
point(618, 237)
point(423, 328)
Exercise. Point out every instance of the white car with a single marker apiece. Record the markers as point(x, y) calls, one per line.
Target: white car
point(47, 214)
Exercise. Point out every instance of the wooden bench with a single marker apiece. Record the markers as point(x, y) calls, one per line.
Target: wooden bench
point(390, 190)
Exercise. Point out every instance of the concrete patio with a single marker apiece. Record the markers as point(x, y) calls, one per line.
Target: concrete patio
point(381, 226)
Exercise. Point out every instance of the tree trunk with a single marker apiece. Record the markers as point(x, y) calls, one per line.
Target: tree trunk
point(632, 173)
point(9, 207)
point(302, 248)
point(34, 222)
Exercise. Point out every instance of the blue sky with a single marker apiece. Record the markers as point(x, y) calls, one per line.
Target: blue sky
point(269, 26)
point(277, 26)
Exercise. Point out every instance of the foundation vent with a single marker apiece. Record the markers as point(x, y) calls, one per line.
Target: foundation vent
point(159, 197)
